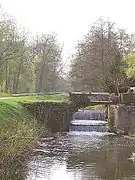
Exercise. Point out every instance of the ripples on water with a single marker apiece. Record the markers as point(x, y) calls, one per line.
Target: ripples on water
point(82, 157)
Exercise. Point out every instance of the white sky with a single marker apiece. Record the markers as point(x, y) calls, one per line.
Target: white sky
point(70, 19)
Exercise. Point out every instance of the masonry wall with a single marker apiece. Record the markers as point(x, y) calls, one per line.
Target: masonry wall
point(124, 118)
point(55, 116)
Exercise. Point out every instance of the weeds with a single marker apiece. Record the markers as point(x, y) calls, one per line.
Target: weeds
point(19, 132)
point(18, 135)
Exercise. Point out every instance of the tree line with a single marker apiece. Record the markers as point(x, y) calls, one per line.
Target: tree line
point(29, 65)
point(104, 59)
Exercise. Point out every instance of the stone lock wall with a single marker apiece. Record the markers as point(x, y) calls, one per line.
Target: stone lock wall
point(124, 118)
point(55, 116)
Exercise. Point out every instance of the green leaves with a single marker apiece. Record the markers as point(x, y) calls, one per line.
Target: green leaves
point(130, 60)
point(99, 60)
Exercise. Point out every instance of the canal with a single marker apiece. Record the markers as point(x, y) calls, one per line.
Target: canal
point(82, 156)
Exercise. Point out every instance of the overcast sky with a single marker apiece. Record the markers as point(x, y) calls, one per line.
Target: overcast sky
point(70, 19)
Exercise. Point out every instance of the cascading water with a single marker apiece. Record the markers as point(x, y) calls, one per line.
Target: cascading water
point(90, 115)
point(89, 121)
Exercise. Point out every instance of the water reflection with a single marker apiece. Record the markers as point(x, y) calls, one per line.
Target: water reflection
point(53, 169)
point(82, 158)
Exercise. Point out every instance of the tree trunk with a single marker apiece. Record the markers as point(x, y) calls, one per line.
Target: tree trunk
point(16, 79)
point(6, 78)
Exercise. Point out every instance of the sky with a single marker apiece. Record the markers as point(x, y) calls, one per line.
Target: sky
point(69, 19)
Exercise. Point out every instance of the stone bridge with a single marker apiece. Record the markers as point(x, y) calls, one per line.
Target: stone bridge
point(104, 98)
point(92, 98)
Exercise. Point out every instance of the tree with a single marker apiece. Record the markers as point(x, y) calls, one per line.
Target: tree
point(14, 57)
point(28, 66)
point(47, 55)
point(130, 69)
point(115, 79)
point(103, 47)
point(130, 60)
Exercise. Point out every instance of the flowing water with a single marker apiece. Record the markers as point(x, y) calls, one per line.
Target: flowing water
point(87, 152)
point(88, 121)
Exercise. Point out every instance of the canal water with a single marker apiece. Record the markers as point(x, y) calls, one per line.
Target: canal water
point(83, 153)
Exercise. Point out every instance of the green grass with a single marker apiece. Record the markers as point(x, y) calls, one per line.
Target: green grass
point(31, 99)
point(96, 107)
point(19, 130)
point(11, 108)
point(18, 134)
point(2, 94)
point(15, 119)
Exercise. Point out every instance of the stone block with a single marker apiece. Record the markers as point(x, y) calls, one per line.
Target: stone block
point(124, 117)
point(127, 98)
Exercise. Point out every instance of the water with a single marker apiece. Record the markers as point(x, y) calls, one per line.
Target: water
point(83, 153)
point(89, 128)
point(90, 115)
point(89, 121)
point(82, 157)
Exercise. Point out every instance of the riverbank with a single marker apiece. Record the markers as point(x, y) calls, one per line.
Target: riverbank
point(19, 131)
point(18, 135)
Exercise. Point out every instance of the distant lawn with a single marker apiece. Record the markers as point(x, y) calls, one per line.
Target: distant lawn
point(11, 108)
point(96, 107)
point(31, 99)
point(2, 94)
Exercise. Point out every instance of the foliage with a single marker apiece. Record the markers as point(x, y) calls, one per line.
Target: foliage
point(47, 57)
point(130, 60)
point(114, 79)
point(28, 65)
point(98, 63)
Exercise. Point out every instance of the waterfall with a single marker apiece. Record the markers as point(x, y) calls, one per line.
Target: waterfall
point(89, 121)
point(90, 115)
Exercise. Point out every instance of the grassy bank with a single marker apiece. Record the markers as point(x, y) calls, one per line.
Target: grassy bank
point(19, 130)
point(18, 135)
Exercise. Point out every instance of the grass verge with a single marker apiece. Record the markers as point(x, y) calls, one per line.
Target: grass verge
point(31, 99)
point(19, 132)
point(2, 94)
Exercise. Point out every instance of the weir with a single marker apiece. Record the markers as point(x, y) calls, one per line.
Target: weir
point(120, 110)
point(60, 117)
point(89, 121)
